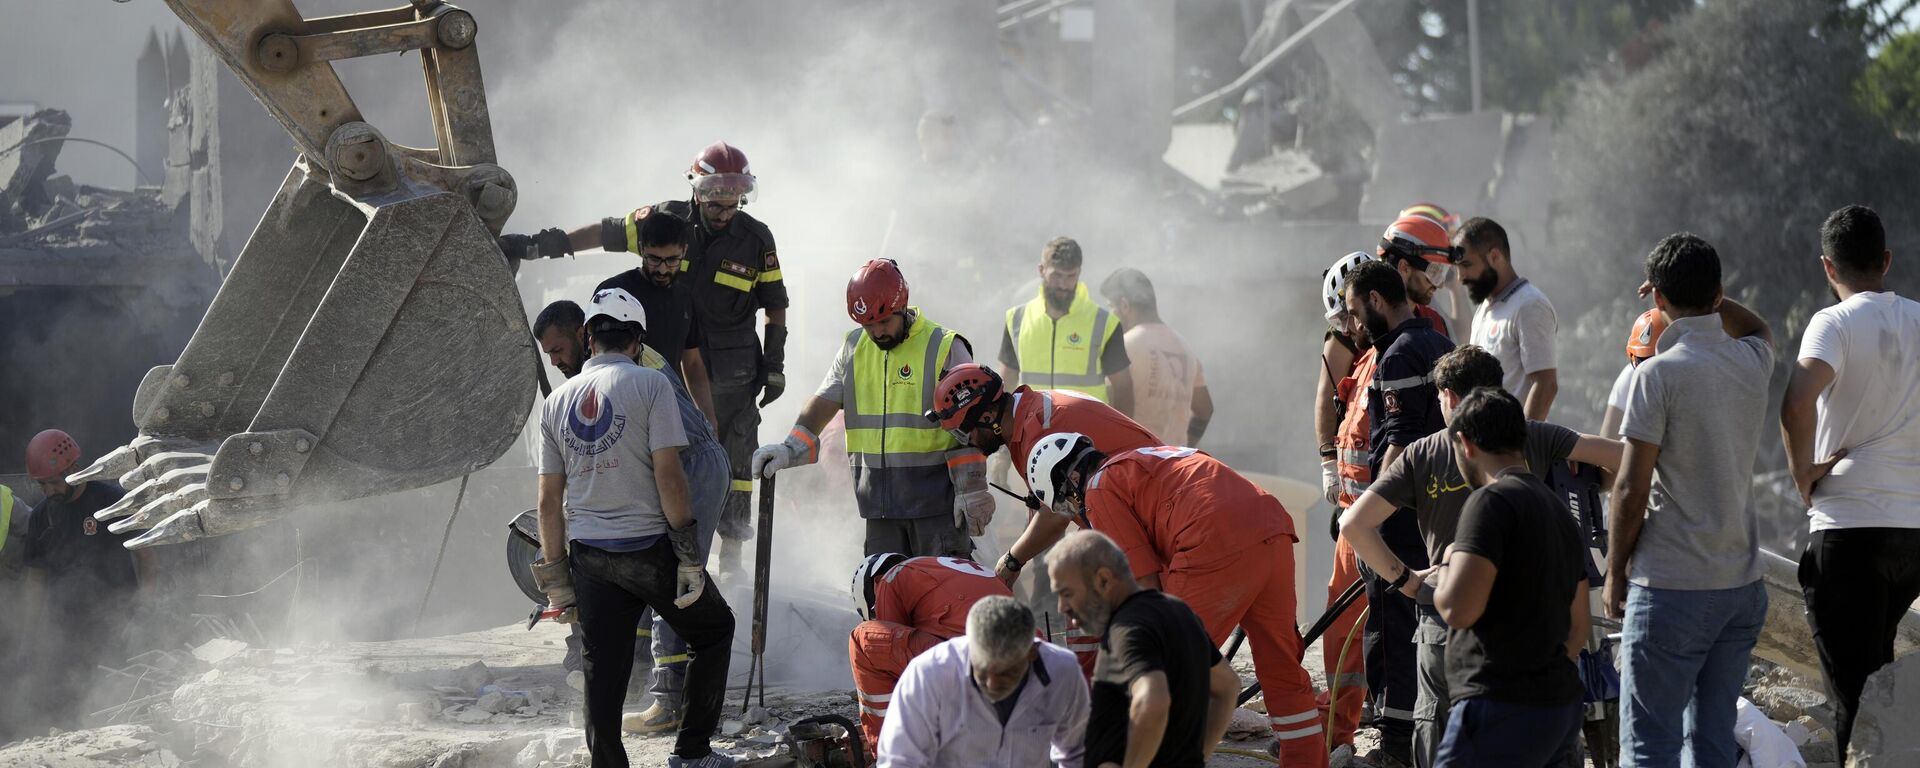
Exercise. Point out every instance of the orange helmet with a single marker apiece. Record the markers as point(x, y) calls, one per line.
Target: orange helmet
point(50, 454)
point(963, 396)
point(876, 292)
point(1645, 335)
point(1435, 212)
point(1422, 240)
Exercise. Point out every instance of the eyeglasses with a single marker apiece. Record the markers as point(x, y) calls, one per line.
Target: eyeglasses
point(712, 207)
point(661, 261)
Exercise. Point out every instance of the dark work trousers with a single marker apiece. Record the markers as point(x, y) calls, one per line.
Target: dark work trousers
point(1481, 732)
point(1392, 668)
point(738, 416)
point(934, 536)
point(612, 590)
point(1859, 583)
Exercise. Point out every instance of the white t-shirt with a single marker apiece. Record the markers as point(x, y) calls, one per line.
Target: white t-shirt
point(1872, 409)
point(1165, 374)
point(1617, 399)
point(1517, 326)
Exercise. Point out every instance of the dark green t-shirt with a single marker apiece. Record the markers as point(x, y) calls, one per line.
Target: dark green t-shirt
point(1427, 479)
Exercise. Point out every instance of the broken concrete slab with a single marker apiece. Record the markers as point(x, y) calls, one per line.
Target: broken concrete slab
point(23, 170)
point(473, 677)
point(1784, 703)
point(1883, 732)
point(218, 650)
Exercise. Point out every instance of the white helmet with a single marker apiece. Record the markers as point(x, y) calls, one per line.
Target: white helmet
point(617, 305)
point(1047, 466)
point(871, 570)
point(1333, 282)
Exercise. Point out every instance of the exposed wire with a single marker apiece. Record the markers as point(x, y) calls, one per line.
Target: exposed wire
point(116, 150)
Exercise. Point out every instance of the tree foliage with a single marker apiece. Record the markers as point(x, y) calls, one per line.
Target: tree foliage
point(1744, 129)
point(1890, 88)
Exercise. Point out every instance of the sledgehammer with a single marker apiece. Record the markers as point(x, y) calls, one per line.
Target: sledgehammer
point(762, 573)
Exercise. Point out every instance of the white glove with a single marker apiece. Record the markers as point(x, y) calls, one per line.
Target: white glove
point(556, 582)
point(691, 582)
point(972, 500)
point(1330, 480)
point(801, 447)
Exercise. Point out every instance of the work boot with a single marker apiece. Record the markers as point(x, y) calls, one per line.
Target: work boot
point(712, 760)
point(657, 720)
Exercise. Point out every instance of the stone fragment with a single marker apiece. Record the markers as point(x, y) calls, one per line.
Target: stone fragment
point(218, 650)
point(1785, 703)
point(534, 754)
point(414, 712)
point(1342, 757)
point(493, 702)
point(472, 716)
point(472, 677)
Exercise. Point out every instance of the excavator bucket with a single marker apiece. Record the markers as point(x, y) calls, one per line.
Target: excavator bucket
point(369, 338)
point(357, 348)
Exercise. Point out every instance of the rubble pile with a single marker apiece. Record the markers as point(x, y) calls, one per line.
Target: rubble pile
point(1798, 708)
point(41, 208)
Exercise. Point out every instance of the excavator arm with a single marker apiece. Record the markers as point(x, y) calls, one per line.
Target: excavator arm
point(369, 338)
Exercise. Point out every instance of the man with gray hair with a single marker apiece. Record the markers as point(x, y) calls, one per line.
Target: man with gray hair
point(996, 696)
point(1162, 693)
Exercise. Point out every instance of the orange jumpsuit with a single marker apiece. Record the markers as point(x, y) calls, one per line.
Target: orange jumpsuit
point(1225, 546)
point(1351, 441)
point(1040, 413)
point(917, 605)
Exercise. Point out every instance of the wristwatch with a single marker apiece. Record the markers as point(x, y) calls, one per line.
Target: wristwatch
point(1405, 573)
point(1011, 563)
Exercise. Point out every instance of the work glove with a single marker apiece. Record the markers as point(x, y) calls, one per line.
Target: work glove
point(550, 243)
point(775, 356)
point(972, 499)
point(556, 582)
point(1330, 480)
point(801, 447)
point(690, 583)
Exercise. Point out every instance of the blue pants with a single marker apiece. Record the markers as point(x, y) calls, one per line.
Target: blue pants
point(1481, 732)
point(1684, 661)
point(708, 477)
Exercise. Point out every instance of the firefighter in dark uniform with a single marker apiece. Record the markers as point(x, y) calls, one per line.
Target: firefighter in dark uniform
point(735, 274)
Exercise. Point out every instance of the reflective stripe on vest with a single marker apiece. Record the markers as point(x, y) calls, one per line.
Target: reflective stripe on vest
point(6, 514)
point(898, 457)
point(1352, 443)
point(1038, 338)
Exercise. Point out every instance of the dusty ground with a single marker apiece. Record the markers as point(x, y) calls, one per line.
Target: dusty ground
point(498, 698)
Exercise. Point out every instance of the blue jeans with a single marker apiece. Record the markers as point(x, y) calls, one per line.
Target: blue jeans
point(1684, 660)
point(1482, 732)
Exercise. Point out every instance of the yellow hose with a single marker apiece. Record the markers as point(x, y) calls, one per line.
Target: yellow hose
point(1333, 677)
point(1247, 753)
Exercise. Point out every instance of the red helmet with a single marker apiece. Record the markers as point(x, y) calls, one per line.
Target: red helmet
point(964, 395)
point(876, 292)
point(50, 454)
point(720, 170)
point(1435, 212)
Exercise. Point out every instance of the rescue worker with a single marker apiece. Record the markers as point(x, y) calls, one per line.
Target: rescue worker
point(1459, 312)
point(1402, 406)
point(84, 587)
point(560, 329)
point(920, 491)
point(1062, 339)
point(618, 535)
point(1194, 528)
point(673, 331)
point(1345, 474)
point(1642, 341)
point(972, 403)
point(1419, 248)
point(734, 274)
point(906, 606)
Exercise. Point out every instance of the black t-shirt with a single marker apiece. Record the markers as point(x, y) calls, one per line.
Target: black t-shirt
point(1516, 652)
point(1151, 631)
point(85, 564)
point(671, 326)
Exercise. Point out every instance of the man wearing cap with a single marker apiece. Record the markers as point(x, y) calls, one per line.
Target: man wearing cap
point(617, 532)
point(89, 579)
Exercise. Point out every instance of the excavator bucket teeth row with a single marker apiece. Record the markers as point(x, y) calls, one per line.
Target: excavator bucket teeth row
point(359, 347)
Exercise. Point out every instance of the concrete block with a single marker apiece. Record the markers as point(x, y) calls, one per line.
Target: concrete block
point(563, 743)
point(532, 755)
point(492, 702)
point(1883, 732)
point(473, 677)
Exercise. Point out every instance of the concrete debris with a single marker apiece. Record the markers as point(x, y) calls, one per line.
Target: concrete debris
point(1786, 703)
point(473, 677)
point(1883, 732)
point(24, 170)
point(218, 650)
point(1342, 757)
point(757, 715)
point(1247, 724)
point(472, 715)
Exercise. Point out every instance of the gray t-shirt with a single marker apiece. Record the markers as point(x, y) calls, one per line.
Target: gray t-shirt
point(1426, 478)
point(1703, 400)
point(600, 429)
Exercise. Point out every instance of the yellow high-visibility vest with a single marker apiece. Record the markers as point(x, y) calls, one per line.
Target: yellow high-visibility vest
point(898, 457)
point(1064, 353)
point(6, 514)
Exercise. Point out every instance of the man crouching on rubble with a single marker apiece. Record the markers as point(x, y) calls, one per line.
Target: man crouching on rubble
point(613, 491)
